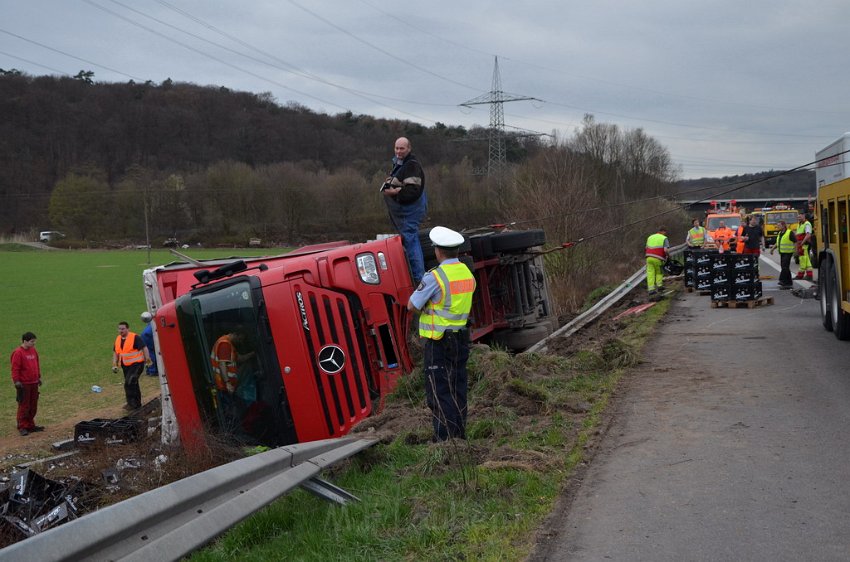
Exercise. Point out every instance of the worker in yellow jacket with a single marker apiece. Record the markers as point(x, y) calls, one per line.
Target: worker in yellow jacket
point(657, 246)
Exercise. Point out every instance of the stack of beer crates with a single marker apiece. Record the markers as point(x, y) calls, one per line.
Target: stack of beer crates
point(698, 269)
point(722, 278)
point(745, 268)
point(735, 277)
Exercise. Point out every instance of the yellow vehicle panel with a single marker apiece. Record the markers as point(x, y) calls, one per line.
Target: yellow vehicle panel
point(771, 223)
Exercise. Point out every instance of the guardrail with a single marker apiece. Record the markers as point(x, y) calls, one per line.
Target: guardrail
point(174, 520)
point(596, 310)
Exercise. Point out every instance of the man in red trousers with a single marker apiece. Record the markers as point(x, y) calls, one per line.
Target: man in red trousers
point(26, 374)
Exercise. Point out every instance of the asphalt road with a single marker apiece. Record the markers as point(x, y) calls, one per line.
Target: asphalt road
point(729, 443)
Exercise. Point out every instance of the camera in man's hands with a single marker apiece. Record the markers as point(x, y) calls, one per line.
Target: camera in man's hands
point(387, 185)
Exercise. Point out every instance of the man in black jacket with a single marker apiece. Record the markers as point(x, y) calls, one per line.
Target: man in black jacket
point(404, 193)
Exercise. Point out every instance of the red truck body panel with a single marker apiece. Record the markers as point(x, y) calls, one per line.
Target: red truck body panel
point(321, 332)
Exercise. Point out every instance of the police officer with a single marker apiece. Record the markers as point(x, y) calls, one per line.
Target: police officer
point(444, 298)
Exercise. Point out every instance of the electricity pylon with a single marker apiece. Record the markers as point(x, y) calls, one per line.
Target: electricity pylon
point(496, 134)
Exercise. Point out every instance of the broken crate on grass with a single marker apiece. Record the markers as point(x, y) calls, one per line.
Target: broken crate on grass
point(32, 503)
point(99, 432)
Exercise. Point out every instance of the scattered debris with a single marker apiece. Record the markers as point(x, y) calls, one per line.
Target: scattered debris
point(807, 293)
point(635, 310)
point(33, 503)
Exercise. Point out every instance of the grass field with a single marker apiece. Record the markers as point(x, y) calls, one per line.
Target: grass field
point(73, 301)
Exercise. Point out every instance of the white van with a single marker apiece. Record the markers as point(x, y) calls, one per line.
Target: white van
point(49, 235)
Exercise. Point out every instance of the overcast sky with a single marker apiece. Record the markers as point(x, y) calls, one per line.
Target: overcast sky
point(729, 87)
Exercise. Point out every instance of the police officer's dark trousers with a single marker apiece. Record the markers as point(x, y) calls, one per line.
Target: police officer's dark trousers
point(446, 383)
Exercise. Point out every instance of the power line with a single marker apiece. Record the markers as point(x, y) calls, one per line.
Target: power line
point(42, 45)
point(295, 69)
point(202, 53)
point(33, 62)
point(406, 62)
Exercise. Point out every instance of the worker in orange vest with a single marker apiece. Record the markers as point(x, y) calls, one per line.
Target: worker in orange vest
point(739, 236)
point(723, 236)
point(131, 354)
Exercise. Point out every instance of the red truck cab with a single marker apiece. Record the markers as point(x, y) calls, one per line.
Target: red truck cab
point(320, 334)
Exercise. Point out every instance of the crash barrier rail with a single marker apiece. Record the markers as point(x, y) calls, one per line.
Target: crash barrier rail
point(172, 521)
point(596, 310)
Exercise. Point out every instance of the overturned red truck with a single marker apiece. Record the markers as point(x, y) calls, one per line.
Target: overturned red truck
point(320, 333)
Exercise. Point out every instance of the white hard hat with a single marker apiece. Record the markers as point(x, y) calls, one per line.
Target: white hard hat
point(146, 317)
point(445, 237)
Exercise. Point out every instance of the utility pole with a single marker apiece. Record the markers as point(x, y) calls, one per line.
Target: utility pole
point(496, 134)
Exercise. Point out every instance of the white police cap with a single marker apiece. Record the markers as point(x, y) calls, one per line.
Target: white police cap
point(445, 237)
point(146, 317)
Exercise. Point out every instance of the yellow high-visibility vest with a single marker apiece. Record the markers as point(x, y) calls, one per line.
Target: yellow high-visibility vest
point(786, 246)
point(696, 236)
point(451, 312)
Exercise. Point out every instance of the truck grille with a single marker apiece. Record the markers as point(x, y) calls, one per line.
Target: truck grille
point(330, 322)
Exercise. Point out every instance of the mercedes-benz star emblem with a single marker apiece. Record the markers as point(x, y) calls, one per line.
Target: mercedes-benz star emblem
point(331, 359)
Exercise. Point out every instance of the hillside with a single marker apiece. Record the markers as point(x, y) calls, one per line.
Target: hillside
point(50, 126)
point(798, 184)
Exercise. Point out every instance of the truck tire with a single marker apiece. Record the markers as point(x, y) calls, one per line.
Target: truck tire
point(840, 319)
point(824, 293)
point(519, 340)
point(428, 248)
point(482, 247)
point(516, 241)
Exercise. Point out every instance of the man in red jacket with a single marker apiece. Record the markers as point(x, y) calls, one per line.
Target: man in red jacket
point(26, 374)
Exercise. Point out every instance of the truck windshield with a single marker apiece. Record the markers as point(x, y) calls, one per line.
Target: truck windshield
point(713, 223)
point(789, 217)
point(232, 363)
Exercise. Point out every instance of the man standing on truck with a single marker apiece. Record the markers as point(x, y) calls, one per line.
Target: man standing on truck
point(26, 374)
point(696, 236)
point(131, 353)
point(444, 298)
point(804, 236)
point(656, 254)
point(404, 194)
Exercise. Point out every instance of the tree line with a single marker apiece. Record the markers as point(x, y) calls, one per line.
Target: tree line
point(110, 162)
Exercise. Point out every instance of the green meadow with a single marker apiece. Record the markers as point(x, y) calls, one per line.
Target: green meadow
point(73, 301)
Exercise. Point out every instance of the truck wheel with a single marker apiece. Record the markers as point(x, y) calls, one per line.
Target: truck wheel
point(428, 248)
point(519, 340)
point(482, 247)
point(824, 294)
point(520, 240)
point(840, 319)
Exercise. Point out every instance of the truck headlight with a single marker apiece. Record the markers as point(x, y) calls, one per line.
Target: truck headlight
point(367, 269)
